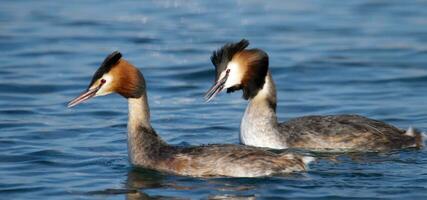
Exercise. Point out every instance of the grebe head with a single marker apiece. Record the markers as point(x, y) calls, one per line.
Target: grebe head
point(114, 75)
point(238, 68)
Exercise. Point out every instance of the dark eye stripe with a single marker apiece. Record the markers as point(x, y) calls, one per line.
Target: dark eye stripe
point(106, 66)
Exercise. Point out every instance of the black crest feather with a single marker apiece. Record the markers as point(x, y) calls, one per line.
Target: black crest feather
point(222, 56)
point(106, 66)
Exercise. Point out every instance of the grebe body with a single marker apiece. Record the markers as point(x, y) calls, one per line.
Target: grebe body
point(238, 68)
point(146, 148)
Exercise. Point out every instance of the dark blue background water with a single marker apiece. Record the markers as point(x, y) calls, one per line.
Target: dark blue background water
point(327, 57)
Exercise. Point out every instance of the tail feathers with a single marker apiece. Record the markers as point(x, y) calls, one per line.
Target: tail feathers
point(307, 159)
point(419, 136)
point(410, 132)
point(423, 138)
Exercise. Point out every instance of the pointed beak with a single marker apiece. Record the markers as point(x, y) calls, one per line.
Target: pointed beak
point(216, 88)
point(84, 96)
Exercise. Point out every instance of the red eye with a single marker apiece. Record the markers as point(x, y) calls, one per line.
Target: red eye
point(103, 81)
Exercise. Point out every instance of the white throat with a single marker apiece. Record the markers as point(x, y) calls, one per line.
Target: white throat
point(259, 125)
point(139, 113)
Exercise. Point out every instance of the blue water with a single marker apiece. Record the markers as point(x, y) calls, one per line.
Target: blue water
point(327, 57)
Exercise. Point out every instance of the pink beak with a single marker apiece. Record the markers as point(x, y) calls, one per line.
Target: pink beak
point(84, 96)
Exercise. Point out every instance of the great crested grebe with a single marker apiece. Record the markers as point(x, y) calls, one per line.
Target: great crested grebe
point(238, 68)
point(146, 149)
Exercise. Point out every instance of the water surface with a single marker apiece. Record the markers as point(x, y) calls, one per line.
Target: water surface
point(328, 57)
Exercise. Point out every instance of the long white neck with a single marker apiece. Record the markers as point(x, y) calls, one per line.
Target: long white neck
point(139, 113)
point(259, 125)
point(143, 142)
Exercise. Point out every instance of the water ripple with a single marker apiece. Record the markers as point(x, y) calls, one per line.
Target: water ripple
point(327, 57)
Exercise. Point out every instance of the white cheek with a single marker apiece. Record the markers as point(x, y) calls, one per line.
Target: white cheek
point(235, 75)
point(105, 89)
